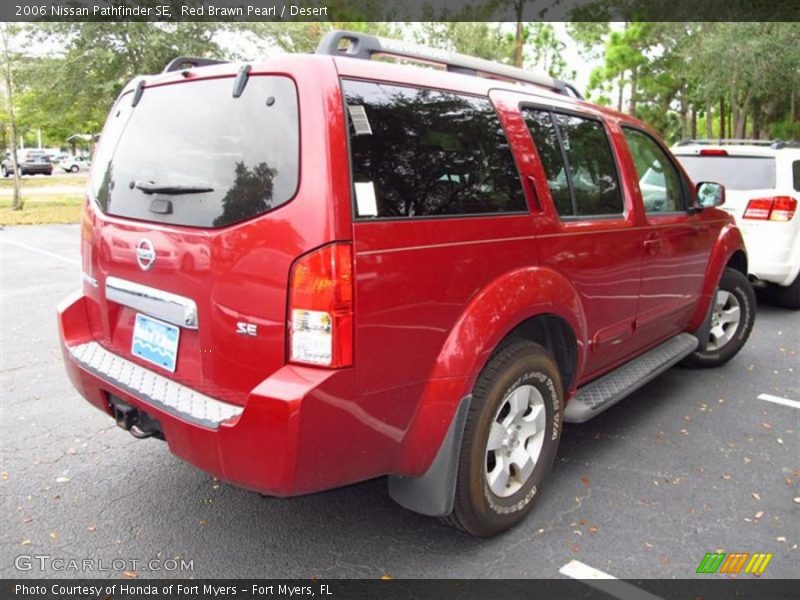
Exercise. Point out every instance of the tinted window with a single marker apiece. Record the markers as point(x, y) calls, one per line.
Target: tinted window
point(659, 180)
point(545, 136)
point(420, 152)
point(796, 174)
point(734, 172)
point(592, 171)
point(196, 136)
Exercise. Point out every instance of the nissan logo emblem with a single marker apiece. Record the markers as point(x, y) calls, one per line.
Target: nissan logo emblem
point(145, 254)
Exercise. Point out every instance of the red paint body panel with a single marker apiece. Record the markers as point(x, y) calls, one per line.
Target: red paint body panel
point(433, 297)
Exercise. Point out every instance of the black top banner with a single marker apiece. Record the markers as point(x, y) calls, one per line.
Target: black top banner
point(399, 10)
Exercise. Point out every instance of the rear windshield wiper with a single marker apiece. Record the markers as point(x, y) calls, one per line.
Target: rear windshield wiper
point(148, 187)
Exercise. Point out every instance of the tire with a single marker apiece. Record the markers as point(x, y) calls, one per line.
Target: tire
point(74, 169)
point(520, 387)
point(5, 172)
point(788, 296)
point(730, 327)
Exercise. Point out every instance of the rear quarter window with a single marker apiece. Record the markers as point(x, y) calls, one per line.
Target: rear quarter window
point(796, 175)
point(196, 135)
point(425, 153)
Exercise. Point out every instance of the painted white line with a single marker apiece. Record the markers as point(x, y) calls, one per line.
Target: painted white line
point(779, 400)
point(40, 251)
point(605, 582)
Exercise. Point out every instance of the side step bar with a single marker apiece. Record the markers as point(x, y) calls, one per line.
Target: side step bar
point(604, 392)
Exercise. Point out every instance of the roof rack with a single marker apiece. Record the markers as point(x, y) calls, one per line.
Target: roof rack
point(773, 144)
point(360, 45)
point(189, 62)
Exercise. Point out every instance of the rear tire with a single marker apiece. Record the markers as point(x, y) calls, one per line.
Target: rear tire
point(789, 296)
point(74, 169)
point(510, 439)
point(732, 319)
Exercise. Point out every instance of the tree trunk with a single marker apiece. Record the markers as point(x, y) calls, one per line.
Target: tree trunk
point(16, 203)
point(792, 100)
point(694, 122)
point(634, 86)
point(684, 111)
point(740, 116)
point(518, 6)
point(709, 120)
point(722, 118)
point(621, 91)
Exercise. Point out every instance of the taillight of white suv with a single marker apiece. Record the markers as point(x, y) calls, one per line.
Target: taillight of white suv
point(777, 208)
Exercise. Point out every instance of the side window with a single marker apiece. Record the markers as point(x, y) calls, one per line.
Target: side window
point(591, 166)
point(577, 158)
point(659, 180)
point(543, 131)
point(420, 152)
point(796, 175)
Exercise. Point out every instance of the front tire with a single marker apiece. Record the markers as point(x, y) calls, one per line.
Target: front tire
point(510, 439)
point(732, 318)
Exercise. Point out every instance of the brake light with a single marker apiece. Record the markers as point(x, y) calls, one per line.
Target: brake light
point(713, 152)
point(321, 307)
point(779, 208)
point(783, 208)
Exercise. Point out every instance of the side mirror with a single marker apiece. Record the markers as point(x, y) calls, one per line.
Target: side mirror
point(710, 194)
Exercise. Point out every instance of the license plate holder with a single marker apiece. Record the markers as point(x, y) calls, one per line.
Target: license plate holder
point(156, 342)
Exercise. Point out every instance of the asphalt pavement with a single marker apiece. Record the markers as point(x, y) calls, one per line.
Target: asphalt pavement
point(694, 462)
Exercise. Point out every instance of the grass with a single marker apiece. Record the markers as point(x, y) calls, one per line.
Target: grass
point(41, 210)
point(38, 181)
point(46, 200)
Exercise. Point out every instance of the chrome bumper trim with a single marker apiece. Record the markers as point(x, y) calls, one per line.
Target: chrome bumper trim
point(166, 306)
point(163, 393)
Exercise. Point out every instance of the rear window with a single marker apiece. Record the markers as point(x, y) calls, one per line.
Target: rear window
point(192, 154)
point(734, 172)
point(796, 174)
point(421, 153)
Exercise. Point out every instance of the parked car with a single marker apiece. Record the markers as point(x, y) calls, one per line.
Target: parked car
point(399, 283)
point(74, 164)
point(31, 162)
point(763, 184)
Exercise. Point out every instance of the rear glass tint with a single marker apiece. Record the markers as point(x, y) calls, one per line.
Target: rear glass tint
point(420, 152)
point(734, 172)
point(192, 154)
point(796, 175)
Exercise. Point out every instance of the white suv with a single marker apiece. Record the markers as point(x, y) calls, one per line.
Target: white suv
point(762, 182)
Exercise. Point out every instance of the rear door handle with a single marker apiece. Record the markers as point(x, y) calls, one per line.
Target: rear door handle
point(537, 206)
point(652, 246)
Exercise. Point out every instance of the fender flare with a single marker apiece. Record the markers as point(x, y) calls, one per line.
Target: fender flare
point(429, 454)
point(728, 243)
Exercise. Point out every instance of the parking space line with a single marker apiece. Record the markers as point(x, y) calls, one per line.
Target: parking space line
point(605, 582)
point(40, 251)
point(779, 400)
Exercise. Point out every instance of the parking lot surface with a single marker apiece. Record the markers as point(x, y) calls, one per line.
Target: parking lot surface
point(694, 462)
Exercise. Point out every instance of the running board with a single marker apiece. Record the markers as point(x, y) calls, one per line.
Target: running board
point(603, 393)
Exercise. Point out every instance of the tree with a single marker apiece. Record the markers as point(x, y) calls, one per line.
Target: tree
point(7, 32)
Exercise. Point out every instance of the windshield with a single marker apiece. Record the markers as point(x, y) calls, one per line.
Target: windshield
point(192, 154)
point(734, 172)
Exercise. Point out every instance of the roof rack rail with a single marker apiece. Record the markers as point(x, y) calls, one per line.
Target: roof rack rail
point(360, 45)
point(189, 62)
point(731, 141)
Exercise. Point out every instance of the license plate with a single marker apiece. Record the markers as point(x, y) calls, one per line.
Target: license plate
point(156, 342)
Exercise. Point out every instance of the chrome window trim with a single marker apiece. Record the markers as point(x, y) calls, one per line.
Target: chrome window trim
point(166, 306)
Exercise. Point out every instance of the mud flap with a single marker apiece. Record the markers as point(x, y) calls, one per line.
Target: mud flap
point(433, 493)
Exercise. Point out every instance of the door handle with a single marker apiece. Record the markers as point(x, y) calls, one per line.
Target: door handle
point(537, 206)
point(652, 246)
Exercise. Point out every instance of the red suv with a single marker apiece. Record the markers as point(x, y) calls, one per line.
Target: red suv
point(317, 270)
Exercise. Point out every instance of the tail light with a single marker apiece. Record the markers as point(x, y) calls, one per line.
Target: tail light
point(779, 208)
point(321, 307)
point(713, 152)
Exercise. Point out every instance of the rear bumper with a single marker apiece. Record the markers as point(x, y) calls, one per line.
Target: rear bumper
point(773, 250)
point(256, 446)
